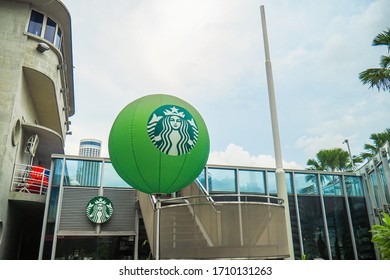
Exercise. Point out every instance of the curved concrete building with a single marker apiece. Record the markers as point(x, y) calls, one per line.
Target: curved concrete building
point(37, 100)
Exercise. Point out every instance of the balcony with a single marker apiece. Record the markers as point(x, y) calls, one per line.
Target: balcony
point(50, 142)
point(198, 226)
point(43, 95)
point(29, 183)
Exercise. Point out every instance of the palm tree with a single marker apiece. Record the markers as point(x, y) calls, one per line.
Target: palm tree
point(330, 160)
point(379, 77)
point(379, 140)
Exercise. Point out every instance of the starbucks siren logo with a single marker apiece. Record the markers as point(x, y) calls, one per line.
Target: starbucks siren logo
point(99, 209)
point(173, 130)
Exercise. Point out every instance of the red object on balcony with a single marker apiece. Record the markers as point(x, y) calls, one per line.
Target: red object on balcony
point(37, 181)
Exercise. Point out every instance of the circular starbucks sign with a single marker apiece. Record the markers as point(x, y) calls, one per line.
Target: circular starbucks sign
point(159, 143)
point(99, 209)
point(173, 130)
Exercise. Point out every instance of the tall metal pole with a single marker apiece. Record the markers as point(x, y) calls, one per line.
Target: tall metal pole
point(350, 154)
point(280, 174)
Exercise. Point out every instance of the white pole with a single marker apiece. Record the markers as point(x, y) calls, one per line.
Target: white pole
point(280, 175)
point(350, 154)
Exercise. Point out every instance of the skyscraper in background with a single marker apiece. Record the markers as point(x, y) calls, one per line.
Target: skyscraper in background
point(90, 147)
point(88, 172)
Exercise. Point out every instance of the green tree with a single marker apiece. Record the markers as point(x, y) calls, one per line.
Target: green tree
point(381, 237)
point(330, 160)
point(379, 77)
point(379, 139)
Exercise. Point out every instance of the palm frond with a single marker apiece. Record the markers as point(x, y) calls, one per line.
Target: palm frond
point(383, 39)
point(376, 77)
point(385, 61)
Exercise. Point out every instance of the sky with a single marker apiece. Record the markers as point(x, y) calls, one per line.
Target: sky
point(210, 53)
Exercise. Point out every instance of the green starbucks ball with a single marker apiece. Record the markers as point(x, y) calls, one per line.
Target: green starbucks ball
point(159, 144)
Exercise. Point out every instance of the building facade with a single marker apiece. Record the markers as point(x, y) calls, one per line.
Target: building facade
point(229, 215)
point(36, 103)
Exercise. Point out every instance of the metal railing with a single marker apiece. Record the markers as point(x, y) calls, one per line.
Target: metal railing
point(30, 179)
point(226, 226)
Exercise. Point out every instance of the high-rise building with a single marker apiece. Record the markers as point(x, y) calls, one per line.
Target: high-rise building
point(90, 147)
point(36, 102)
point(88, 173)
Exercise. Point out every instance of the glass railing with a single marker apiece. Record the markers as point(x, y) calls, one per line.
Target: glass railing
point(86, 172)
point(240, 180)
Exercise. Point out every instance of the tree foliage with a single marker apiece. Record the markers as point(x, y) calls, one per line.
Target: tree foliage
point(330, 160)
point(379, 77)
point(381, 237)
point(379, 139)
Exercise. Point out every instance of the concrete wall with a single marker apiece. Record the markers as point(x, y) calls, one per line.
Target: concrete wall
point(13, 18)
point(17, 51)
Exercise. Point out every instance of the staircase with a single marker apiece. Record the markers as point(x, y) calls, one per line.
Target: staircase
point(194, 226)
point(180, 233)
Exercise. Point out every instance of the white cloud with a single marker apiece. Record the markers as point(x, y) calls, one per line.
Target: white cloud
point(237, 156)
point(210, 53)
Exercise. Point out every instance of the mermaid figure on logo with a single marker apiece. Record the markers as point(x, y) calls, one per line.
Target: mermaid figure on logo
point(99, 211)
point(173, 132)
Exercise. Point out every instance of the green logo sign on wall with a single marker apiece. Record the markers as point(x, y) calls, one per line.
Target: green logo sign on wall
point(99, 209)
point(159, 144)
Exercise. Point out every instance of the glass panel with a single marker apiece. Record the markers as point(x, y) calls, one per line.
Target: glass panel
point(312, 226)
point(384, 182)
point(271, 183)
point(201, 178)
point(95, 248)
point(50, 30)
point(331, 185)
point(306, 183)
point(353, 186)
point(251, 181)
point(361, 228)
point(111, 178)
point(338, 228)
point(57, 172)
point(289, 185)
point(222, 180)
point(374, 181)
point(82, 173)
point(294, 227)
point(36, 23)
point(58, 38)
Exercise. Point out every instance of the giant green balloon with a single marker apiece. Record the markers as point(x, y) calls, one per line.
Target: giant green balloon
point(159, 144)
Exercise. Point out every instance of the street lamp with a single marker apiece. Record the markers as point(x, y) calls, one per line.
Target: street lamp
point(349, 152)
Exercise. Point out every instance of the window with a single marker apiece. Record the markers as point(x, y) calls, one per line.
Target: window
point(36, 23)
point(272, 185)
point(353, 186)
point(58, 38)
point(50, 30)
point(251, 181)
point(43, 26)
point(331, 185)
point(306, 183)
point(222, 180)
